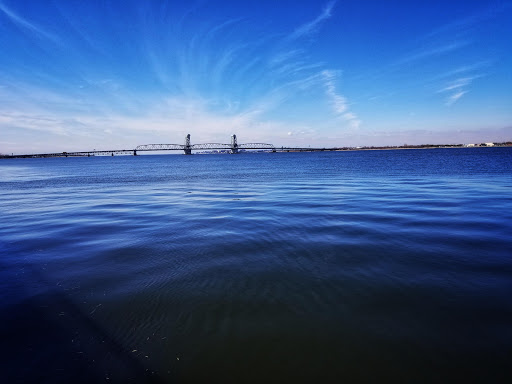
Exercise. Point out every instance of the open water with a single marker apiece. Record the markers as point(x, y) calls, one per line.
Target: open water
point(366, 266)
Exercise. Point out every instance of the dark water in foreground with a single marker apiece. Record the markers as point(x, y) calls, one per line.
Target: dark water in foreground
point(375, 266)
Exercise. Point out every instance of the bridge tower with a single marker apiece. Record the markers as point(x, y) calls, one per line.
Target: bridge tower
point(188, 147)
point(234, 144)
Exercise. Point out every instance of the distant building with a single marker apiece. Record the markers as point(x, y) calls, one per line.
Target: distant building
point(489, 144)
point(470, 145)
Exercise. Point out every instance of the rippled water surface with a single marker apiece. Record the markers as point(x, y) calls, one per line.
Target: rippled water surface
point(367, 266)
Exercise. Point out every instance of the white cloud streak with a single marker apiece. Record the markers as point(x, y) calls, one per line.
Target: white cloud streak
point(26, 25)
point(455, 97)
point(338, 102)
point(459, 83)
point(432, 52)
point(464, 69)
point(457, 88)
point(312, 26)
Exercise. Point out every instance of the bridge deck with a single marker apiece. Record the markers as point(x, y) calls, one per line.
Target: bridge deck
point(166, 147)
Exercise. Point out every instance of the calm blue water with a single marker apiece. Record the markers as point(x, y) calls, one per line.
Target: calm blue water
point(367, 266)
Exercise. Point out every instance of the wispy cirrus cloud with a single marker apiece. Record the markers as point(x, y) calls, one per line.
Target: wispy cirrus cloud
point(463, 70)
point(312, 26)
point(457, 88)
point(454, 97)
point(26, 25)
point(338, 102)
point(442, 47)
point(457, 84)
point(430, 52)
point(458, 35)
point(291, 62)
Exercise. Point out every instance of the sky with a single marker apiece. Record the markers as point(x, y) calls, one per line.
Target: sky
point(84, 75)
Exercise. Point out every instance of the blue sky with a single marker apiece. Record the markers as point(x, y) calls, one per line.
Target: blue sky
point(83, 75)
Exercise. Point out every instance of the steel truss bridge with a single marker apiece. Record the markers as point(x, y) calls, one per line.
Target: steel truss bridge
point(234, 147)
point(187, 148)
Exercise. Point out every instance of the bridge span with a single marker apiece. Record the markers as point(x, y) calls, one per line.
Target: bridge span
point(187, 148)
point(233, 147)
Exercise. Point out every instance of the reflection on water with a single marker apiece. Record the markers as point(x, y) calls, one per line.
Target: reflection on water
point(353, 266)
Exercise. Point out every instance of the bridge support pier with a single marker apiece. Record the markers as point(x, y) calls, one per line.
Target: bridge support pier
point(134, 152)
point(188, 147)
point(234, 144)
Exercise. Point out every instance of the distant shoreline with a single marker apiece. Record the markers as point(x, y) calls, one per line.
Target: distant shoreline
point(384, 148)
